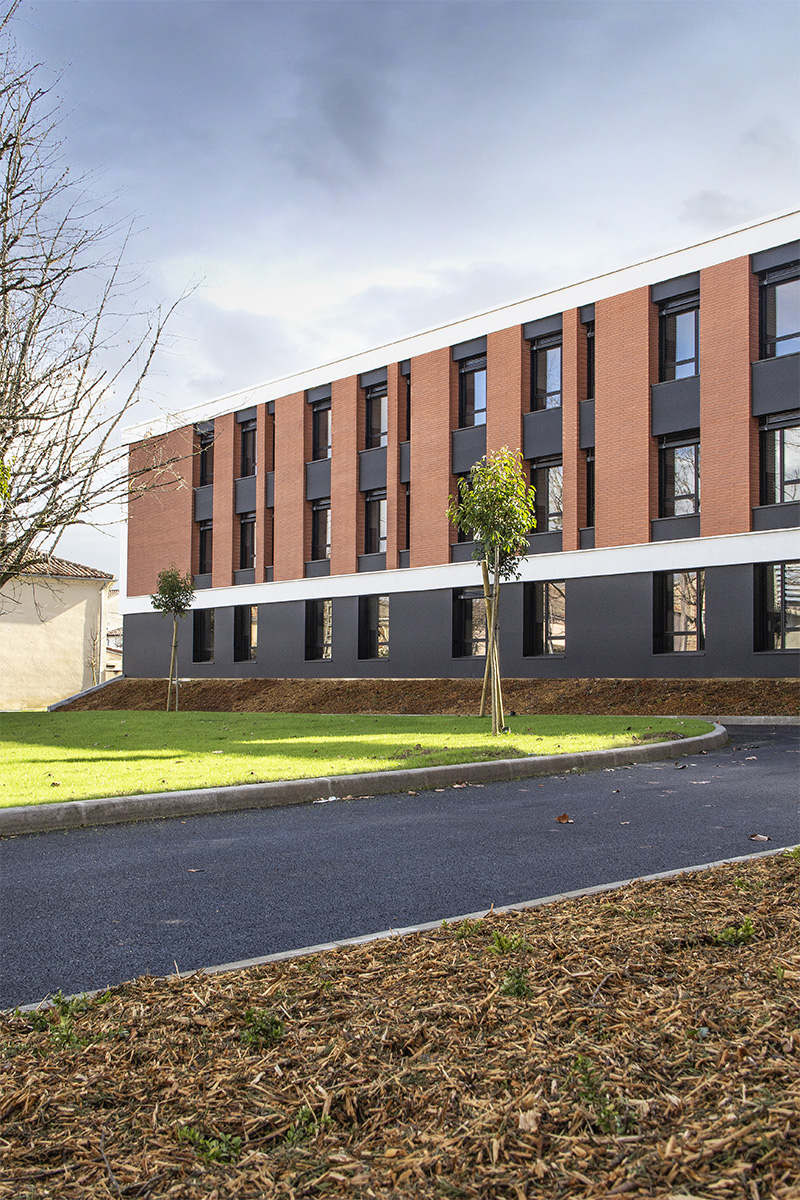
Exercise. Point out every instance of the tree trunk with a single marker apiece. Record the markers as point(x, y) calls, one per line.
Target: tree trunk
point(172, 658)
point(487, 595)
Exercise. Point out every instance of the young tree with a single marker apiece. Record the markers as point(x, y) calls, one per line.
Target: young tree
point(494, 506)
point(61, 289)
point(174, 597)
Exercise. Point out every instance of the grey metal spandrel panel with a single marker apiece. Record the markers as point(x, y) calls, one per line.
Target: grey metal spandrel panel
point(147, 642)
point(461, 551)
point(372, 469)
point(469, 446)
point(776, 256)
point(315, 394)
point(776, 385)
point(586, 538)
point(586, 313)
point(469, 349)
point(372, 562)
point(681, 285)
point(545, 543)
point(318, 479)
point(776, 516)
point(245, 494)
point(666, 529)
point(542, 434)
point(405, 462)
point(202, 581)
point(246, 414)
point(675, 406)
point(318, 567)
point(543, 327)
point(370, 378)
point(586, 419)
point(404, 559)
point(270, 496)
point(246, 575)
point(204, 503)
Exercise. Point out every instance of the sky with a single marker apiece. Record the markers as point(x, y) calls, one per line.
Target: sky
point(324, 176)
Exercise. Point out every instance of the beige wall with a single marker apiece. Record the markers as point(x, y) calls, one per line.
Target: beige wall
point(46, 640)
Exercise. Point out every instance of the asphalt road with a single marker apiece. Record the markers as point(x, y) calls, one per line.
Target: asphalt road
point(85, 908)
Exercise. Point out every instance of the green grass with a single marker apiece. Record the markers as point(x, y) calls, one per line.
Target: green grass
point(51, 757)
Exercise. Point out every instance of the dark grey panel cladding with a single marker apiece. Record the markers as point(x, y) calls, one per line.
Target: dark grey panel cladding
point(543, 327)
point(545, 543)
point(204, 502)
point(146, 645)
point(586, 538)
point(404, 558)
point(586, 313)
point(270, 499)
point(318, 479)
point(776, 516)
point(245, 494)
point(405, 462)
point(372, 468)
point(586, 419)
point(315, 394)
point(542, 433)
point(469, 349)
point(317, 568)
point(776, 385)
point(777, 256)
point(667, 529)
point(246, 414)
point(675, 405)
point(370, 378)
point(405, 366)
point(246, 575)
point(679, 286)
point(270, 408)
point(461, 551)
point(372, 562)
point(205, 427)
point(469, 445)
point(202, 581)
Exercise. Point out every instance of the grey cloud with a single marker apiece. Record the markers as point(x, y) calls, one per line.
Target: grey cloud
point(713, 211)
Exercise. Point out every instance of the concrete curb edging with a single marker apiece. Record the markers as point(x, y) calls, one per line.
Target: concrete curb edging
point(114, 810)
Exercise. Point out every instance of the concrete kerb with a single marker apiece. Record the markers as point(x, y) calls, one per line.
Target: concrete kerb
point(114, 810)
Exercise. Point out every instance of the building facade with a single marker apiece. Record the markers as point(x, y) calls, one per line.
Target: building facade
point(657, 410)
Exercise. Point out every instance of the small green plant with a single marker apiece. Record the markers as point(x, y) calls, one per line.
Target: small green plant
point(780, 971)
point(219, 1147)
point(793, 853)
point(748, 885)
point(507, 945)
point(468, 928)
point(607, 1116)
point(263, 1028)
point(736, 935)
point(304, 1126)
point(516, 984)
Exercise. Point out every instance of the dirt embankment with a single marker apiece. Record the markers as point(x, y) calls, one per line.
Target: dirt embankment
point(680, 697)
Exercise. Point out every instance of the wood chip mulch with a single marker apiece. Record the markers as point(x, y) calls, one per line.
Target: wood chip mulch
point(641, 1043)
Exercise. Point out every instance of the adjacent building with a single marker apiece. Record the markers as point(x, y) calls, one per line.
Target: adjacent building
point(657, 409)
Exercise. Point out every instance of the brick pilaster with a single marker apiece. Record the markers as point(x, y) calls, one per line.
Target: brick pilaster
point(290, 486)
point(160, 521)
point(347, 508)
point(505, 351)
point(434, 379)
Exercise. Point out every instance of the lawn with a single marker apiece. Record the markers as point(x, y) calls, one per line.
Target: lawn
point(51, 757)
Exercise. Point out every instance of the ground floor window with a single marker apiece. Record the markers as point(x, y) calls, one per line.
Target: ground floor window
point(679, 612)
point(469, 623)
point(203, 640)
point(245, 633)
point(777, 606)
point(373, 627)
point(544, 618)
point(319, 623)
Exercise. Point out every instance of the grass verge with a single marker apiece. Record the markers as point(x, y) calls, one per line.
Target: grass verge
point(77, 756)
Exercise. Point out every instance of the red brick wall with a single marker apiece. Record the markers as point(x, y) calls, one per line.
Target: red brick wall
point(728, 432)
point(434, 380)
point(347, 507)
point(226, 449)
point(504, 366)
point(626, 462)
point(160, 520)
point(291, 438)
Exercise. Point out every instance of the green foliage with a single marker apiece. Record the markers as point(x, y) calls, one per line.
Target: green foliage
point(263, 1028)
point(174, 593)
point(495, 507)
point(516, 984)
point(468, 928)
point(218, 1148)
point(305, 1126)
point(507, 945)
point(591, 1089)
point(736, 935)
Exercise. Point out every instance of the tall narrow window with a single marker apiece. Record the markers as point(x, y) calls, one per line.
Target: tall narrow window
point(206, 446)
point(546, 372)
point(373, 627)
point(544, 618)
point(320, 529)
point(589, 489)
point(247, 458)
point(406, 539)
point(203, 639)
point(590, 360)
point(375, 522)
point(679, 612)
point(778, 606)
point(247, 541)
point(245, 633)
point(319, 623)
point(321, 430)
point(469, 623)
point(407, 407)
point(547, 477)
point(780, 463)
point(678, 338)
point(679, 476)
point(780, 312)
point(472, 392)
point(377, 415)
point(206, 548)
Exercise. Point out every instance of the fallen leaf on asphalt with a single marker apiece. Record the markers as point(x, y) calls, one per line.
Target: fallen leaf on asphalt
point(565, 819)
point(680, 766)
point(615, 791)
point(759, 837)
point(455, 785)
point(195, 870)
point(751, 758)
point(624, 822)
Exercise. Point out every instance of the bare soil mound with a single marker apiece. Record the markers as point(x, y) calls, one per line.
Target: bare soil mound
point(680, 697)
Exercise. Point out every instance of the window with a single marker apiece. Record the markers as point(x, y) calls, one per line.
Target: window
point(245, 633)
point(247, 541)
point(375, 522)
point(203, 640)
point(462, 534)
point(780, 462)
point(407, 429)
point(321, 430)
point(679, 612)
point(780, 312)
point(320, 529)
point(247, 457)
point(544, 620)
point(406, 539)
point(778, 606)
point(469, 623)
point(373, 627)
point(678, 338)
point(546, 372)
point(206, 548)
point(679, 476)
point(206, 444)
point(377, 415)
point(590, 360)
point(547, 478)
point(472, 392)
point(318, 629)
point(589, 489)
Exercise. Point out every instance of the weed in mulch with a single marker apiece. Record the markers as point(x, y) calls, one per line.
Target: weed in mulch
point(643, 1042)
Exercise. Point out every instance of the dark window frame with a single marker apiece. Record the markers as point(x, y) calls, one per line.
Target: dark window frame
point(665, 634)
point(319, 630)
point(542, 396)
point(772, 622)
point(320, 436)
point(590, 360)
point(320, 548)
point(771, 343)
point(247, 448)
point(373, 627)
point(245, 633)
point(205, 547)
point(590, 489)
point(540, 617)
point(206, 453)
point(548, 520)
point(774, 479)
point(670, 367)
point(668, 498)
point(470, 412)
point(376, 404)
point(375, 521)
point(466, 644)
point(247, 541)
point(203, 635)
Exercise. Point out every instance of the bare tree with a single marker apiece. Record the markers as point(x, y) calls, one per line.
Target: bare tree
point(61, 405)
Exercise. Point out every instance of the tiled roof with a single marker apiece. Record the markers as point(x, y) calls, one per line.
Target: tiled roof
point(62, 568)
